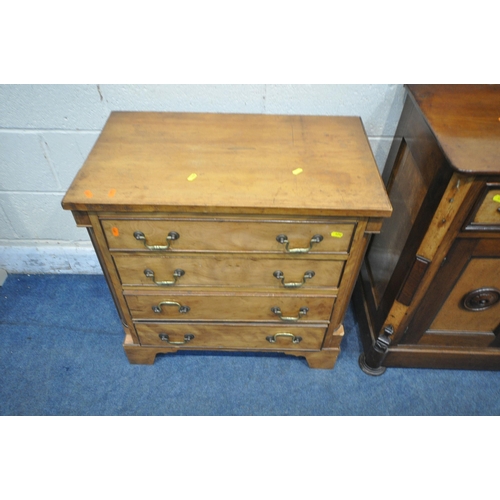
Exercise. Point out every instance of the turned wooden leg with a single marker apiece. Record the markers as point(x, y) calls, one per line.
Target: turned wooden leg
point(324, 359)
point(371, 360)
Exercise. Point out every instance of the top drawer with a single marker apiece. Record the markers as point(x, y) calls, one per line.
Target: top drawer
point(487, 214)
point(198, 235)
point(489, 210)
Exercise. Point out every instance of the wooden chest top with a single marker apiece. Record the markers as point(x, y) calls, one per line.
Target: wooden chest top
point(466, 122)
point(230, 163)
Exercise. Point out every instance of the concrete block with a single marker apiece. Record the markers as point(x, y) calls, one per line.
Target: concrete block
point(46, 257)
point(185, 98)
point(379, 106)
point(6, 230)
point(380, 147)
point(87, 107)
point(67, 152)
point(24, 164)
point(40, 217)
point(69, 107)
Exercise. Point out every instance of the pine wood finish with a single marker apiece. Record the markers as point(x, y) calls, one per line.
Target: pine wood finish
point(429, 289)
point(230, 232)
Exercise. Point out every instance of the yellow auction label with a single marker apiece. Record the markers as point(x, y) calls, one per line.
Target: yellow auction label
point(336, 234)
point(496, 198)
point(192, 177)
point(297, 171)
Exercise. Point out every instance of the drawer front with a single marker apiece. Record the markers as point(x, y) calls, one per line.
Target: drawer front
point(240, 307)
point(228, 236)
point(228, 271)
point(220, 336)
point(473, 305)
point(488, 213)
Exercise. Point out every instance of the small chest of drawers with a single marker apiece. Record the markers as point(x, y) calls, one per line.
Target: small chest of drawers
point(230, 232)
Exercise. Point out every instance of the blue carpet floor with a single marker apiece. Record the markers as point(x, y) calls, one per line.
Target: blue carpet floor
point(61, 354)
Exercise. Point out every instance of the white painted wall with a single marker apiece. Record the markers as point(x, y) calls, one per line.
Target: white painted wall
point(46, 132)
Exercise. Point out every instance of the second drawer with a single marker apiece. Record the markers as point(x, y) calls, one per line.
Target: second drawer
point(234, 307)
point(228, 271)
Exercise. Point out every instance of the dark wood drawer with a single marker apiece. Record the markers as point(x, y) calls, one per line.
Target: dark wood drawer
point(489, 210)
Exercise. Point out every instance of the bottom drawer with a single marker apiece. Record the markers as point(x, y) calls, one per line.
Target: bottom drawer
point(227, 336)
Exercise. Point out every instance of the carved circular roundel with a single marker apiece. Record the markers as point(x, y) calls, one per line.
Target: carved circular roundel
point(481, 299)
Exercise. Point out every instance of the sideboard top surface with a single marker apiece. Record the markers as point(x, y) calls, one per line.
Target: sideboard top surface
point(466, 122)
point(231, 163)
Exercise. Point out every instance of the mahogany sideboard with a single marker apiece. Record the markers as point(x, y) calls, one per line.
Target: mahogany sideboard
point(429, 289)
point(228, 231)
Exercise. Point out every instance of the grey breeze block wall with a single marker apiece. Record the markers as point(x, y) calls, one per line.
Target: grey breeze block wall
point(47, 131)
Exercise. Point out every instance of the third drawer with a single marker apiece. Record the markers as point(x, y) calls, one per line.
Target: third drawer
point(232, 307)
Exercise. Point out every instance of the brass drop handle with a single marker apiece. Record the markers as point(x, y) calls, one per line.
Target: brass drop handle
point(280, 276)
point(295, 340)
point(302, 312)
point(182, 309)
point(177, 274)
point(283, 239)
point(187, 338)
point(172, 236)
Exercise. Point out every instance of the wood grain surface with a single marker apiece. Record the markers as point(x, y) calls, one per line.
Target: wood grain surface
point(229, 270)
point(489, 210)
point(230, 163)
point(466, 122)
point(232, 336)
point(240, 307)
point(201, 235)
